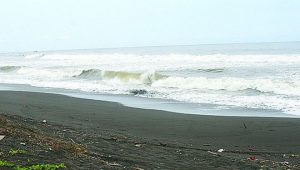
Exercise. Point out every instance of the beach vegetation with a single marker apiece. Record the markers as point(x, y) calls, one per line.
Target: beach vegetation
point(32, 167)
point(6, 164)
point(42, 167)
point(17, 151)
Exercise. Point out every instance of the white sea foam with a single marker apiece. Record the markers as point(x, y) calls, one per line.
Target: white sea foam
point(231, 84)
point(131, 62)
point(250, 81)
point(34, 55)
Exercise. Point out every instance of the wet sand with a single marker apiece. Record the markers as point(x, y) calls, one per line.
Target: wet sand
point(123, 137)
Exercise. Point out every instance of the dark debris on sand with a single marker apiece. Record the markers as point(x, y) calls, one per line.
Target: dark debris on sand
point(48, 143)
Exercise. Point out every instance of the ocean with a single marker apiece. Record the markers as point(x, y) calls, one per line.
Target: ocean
point(261, 79)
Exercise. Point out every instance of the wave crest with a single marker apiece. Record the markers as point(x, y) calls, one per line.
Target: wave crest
point(9, 68)
point(140, 78)
point(212, 70)
point(89, 74)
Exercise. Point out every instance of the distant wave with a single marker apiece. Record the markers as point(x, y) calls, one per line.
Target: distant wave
point(183, 58)
point(34, 55)
point(123, 76)
point(9, 68)
point(255, 91)
point(212, 70)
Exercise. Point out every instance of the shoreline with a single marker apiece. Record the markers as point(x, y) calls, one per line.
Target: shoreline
point(176, 137)
point(166, 105)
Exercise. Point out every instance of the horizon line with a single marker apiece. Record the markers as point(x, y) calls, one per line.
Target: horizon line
point(146, 46)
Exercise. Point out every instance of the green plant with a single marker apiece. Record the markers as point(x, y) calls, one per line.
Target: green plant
point(43, 167)
point(33, 167)
point(6, 164)
point(18, 151)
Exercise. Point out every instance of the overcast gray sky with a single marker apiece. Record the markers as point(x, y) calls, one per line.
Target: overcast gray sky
point(78, 24)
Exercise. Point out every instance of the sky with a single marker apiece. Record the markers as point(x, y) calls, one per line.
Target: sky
point(28, 25)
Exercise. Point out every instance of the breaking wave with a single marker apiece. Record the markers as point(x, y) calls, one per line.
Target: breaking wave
point(9, 68)
point(89, 74)
point(124, 80)
point(123, 76)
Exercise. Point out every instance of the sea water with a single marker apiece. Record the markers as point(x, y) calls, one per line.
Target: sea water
point(260, 79)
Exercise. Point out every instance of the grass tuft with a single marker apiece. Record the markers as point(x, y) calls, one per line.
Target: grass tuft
point(17, 151)
point(42, 167)
point(32, 167)
point(6, 164)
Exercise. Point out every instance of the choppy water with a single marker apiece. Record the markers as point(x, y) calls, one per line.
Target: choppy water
point(265, 77)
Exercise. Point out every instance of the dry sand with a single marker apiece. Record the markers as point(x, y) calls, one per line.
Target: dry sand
point(89, 134)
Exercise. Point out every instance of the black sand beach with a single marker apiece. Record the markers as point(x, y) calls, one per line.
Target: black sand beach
point(89, 134)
